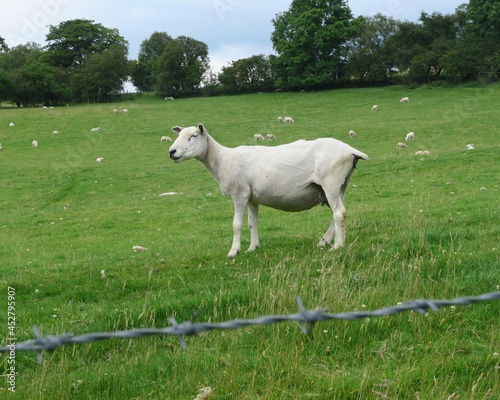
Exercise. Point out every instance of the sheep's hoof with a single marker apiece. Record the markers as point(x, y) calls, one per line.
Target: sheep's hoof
point(322, 243)
point(232, 253)
point(252, 248)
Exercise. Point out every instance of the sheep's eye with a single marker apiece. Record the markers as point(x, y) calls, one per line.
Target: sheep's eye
point(190, 137)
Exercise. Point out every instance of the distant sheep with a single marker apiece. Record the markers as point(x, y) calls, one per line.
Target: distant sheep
point(165, 139)
point(375, 108)
point(279, 119)
point(422, 153)
point(115, 111)
point(289, 120)
point(138, 248)
point(470, 146)
point(55, 132)
point(1, 146)
point(258, 136)
point(99, 159)
point(34, 143)
point(169, 98)
point(11, 124)
point(405, 100)
point(410, 136)
point(95, 129)
point(270, 136)
point(125, 111)
point(352, 133)
point(402, 145)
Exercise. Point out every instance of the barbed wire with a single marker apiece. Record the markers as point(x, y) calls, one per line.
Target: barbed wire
point(306, 319)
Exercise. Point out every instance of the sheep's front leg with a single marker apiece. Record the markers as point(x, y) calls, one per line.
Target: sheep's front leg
point(239, 215)
point(253, 222)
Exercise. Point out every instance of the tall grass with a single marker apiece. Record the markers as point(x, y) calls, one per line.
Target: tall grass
point(418, 227)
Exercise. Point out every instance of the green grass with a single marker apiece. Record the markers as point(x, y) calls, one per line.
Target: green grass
point(418, 227)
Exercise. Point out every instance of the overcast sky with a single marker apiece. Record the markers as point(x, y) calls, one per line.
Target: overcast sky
point(232, 29)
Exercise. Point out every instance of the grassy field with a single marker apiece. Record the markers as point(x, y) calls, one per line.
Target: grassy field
point(418, 227)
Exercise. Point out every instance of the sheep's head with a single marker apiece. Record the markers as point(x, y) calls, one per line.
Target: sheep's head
point(191, 143)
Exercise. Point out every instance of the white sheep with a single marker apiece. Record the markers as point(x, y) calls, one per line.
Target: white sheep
point(34, 143)
point(290, 177)
point(258, 136)
point(402, 145)
point(405, 100)
point(99, 159)
point(422, 153)
point(1, 146)
point(270, 136)
point(95, 129)
point(165, 139)
point(125, 111)
point(375, 108)
point(11, 124)
point(410, 136)
point(470, 146)
point(115, 111)
point(352, 133)
point(279, 119)
point(289, 120)
point(55, 132)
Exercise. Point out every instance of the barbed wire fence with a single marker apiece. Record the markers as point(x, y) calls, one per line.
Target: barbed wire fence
point(306, 319)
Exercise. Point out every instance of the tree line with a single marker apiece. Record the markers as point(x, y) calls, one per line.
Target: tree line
point(318, 44)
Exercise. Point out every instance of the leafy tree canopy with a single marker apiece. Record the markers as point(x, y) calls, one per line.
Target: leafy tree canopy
point(72, 42)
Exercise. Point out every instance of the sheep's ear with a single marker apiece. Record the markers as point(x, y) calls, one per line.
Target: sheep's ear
point(176, 129)
point(201, 128)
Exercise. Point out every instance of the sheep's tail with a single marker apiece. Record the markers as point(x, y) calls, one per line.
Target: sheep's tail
point(358, 155)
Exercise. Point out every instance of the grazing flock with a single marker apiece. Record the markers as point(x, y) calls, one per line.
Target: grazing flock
point(290, 177)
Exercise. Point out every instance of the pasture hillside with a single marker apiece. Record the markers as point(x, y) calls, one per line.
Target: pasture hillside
point(419, 226)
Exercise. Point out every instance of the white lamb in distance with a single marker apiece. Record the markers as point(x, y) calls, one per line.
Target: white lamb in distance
point(289, 120)
point(1, 146)
point(410, 136)
point(258, 136)
point(125, 111)
point(375, 108)
point(95, 129)
point(165, 139)
point(405, 100)
point(352, 133)
point(290, 177)
point(270, 136)
point(470, 146)
point(99, 159)
point(402, 145)
point(279, 119)
point(11, 124)
point(34, 143)
point(422, 153)
point(115, 111)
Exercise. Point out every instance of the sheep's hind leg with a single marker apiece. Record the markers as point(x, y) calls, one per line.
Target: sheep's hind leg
point(253, 222)
point(336, 230)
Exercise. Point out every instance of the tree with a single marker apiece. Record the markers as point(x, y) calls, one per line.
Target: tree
point(102, 75)
point(310, 40)
point(181, 67)
point(248, 75)
point(3, 45)
point(72, 42)
point(368, 59)
point(28, 79)
point(146, 67)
